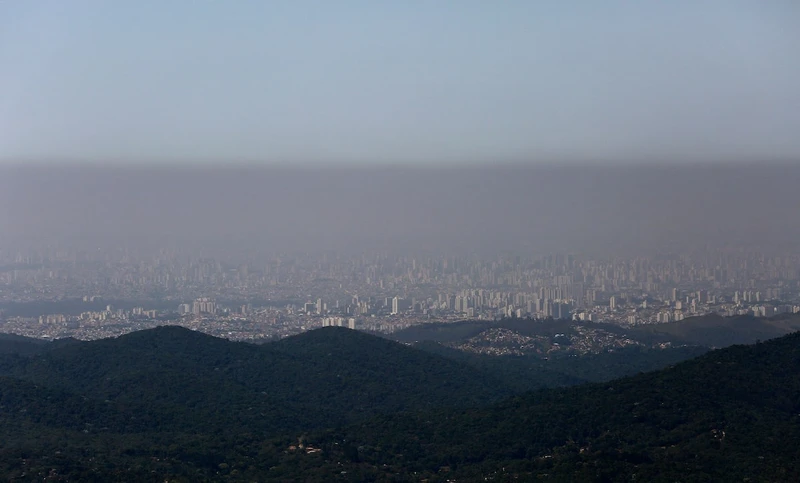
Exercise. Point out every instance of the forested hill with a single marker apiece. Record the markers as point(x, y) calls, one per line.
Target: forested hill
point(173, 402)
point(16, 344)
point(731, 415)
point(320, 378)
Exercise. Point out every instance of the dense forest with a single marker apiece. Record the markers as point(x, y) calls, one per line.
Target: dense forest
point(336, 404)
point(731, 415)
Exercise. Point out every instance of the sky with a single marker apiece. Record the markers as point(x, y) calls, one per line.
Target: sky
point(399, 82)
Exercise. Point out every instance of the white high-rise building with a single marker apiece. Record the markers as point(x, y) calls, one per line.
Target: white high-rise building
point(400, 305)
point(204, 305)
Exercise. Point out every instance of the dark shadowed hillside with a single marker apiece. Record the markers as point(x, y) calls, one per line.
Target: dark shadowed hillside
point(442, 332)
point(194, 401)
point(16, 344)
point(526, 373)
point(327, 376)
point(170, 401)
point(716, 331)
point(731, 415)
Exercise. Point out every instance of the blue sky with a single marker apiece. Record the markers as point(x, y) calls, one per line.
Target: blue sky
point(433, 82)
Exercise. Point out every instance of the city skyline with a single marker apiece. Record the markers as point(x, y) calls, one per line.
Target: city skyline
point(88, 295)
point(244, 138)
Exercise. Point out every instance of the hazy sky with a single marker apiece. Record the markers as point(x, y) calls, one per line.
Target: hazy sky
point(620, 210)
point(399, 81)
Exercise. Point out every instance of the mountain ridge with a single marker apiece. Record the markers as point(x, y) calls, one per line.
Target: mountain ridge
point(182, 371)
point(733, 413)
point(358, 407)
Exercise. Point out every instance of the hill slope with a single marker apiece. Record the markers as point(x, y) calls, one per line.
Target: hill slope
point(713, 330)
point(170, 401)
point(325, 377)
point(527, 373)
point(730, 415)
point(17, 344)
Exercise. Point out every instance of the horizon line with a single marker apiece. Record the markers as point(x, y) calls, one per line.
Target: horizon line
point(254, 164)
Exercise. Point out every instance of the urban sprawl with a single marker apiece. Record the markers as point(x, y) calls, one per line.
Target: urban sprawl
point(57, 293)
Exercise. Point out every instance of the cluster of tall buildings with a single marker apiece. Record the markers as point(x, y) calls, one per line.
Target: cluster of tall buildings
point(349, 322)
point(200, 306)
point(388, 289)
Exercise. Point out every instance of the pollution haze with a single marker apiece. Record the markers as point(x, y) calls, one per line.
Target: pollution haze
point(262, 127)
point(251, 211)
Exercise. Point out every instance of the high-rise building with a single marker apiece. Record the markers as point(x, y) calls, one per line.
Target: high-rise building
point(561, 310)
point(400, 305)
point(578, 295)
point(547, 308)
point(204, 305)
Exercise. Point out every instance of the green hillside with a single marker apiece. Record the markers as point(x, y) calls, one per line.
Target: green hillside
point(17, 344)
point(325, 377)
point(526, 373)
point(174, 404)
point(731, 415)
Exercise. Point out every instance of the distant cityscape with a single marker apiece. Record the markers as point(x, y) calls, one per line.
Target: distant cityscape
point(58, 293)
